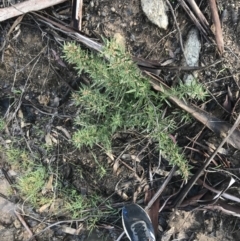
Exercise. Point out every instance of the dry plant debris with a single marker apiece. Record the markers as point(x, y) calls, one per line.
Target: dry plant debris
point(40, 120)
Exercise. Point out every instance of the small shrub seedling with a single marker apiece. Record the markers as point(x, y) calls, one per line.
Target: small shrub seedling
point(120, 98)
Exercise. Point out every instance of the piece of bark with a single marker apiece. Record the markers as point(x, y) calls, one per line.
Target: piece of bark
point(153, 211)
point(217, 24)
point(25, 7)
point(195, 20)
point(199, 14)
point(72, 33)
point(77, 6)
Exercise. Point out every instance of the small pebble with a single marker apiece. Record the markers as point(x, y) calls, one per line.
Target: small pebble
point(17, 224)
point(113, 9)
point(234, 16)
point(104, 14)
point(132, 37)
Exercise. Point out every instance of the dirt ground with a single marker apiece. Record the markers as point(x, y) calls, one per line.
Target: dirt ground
point(36, 87)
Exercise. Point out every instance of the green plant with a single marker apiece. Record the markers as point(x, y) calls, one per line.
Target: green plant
point(2, 124)
point(31, 184)
point(120, 98)
point(101, 170)
point(18, 158)
point(86, 207)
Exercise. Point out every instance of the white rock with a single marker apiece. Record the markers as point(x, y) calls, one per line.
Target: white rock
point(156, 10)
point(192, 49)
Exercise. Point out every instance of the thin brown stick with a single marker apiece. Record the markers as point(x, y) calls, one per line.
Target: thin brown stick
point(194, 19)
point(199, 14)
point(80, 15)
point(219, 127)
point(25, 7)
point(196, 176)
point(225, 208)
point(161, 189)
point(178, 29)
point(20, 218)
point(224, 194)
point(217, 23)
point(70, 32)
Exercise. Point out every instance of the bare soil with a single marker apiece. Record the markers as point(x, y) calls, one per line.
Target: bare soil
point(35, 81)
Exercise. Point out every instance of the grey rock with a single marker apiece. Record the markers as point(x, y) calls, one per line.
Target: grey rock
point(156, 11)
point(6, 208)
point(192, 49)
point(7, 234)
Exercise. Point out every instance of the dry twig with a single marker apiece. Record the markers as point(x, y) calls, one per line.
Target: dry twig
point(196, 176)
point(217, 23)
point(161, 189)
point(77, 14)
point(25, 7)
point(194, 19)
point(199, 14)
point(20, 218)
point(178, 29)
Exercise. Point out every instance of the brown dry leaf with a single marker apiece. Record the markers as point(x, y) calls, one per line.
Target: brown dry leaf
point(43, 99)
point(136, 193)
point(49, 185)
point(28, 134)
point(153, 212)
point(116, 166)
point(230, 94)
point(71, 231)
point(227, 104)
point(56, 205)
point(129, 157)
point(54, 140)
point(44, 208)
point(65, 132)
point(48, 139)
point(58, 59)
point(20, 114)
point(110, 155)
point(120, 40)
point(22, 124)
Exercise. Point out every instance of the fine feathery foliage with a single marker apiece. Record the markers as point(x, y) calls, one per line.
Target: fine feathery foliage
point(119, 98)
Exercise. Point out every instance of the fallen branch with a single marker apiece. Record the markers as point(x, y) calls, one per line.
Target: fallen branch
point(217, 23)
point(23, 222)
point(70, 32)
point(225, 208)
point(195, 20)
point(25, 7)
point(199, 14)
point(161, 189)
